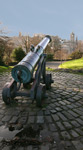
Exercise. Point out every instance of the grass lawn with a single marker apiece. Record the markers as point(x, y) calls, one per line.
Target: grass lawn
point(49, 69)
point(4, 68)
point(73, 64)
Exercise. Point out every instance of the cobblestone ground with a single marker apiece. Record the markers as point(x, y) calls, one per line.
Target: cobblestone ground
point(60, 118)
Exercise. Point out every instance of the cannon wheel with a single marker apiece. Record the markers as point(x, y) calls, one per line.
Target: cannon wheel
point(6, 94)
point(40, 95)
point(48, 81)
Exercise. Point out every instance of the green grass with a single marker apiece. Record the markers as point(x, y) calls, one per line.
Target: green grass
point(49, 69)
point(73, 64)
point(4, 68)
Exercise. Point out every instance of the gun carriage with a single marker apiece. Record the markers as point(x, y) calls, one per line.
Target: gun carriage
point(24, 73)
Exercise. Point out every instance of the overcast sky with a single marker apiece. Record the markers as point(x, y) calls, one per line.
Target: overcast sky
point(53, 17)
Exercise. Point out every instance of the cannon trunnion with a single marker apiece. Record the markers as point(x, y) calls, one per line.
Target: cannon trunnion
point(24, 73)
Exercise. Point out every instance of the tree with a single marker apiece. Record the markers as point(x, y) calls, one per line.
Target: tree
point(18, 54)
point(35, 40)
point(79, 46)
point(2, 30)
point(3, 43)
point(7, 53)
point(56, 43)
point(4, 48)
point(1, 47)
point(48, 50)
point(1, 53)
point(26, 43)
point(76, 55)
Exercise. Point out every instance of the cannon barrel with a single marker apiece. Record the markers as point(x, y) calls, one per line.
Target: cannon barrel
point(23, 71)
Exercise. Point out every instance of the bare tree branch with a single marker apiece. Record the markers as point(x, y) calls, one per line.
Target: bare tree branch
point(3, 30)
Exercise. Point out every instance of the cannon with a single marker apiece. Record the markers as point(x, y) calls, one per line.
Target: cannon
point(30, 72)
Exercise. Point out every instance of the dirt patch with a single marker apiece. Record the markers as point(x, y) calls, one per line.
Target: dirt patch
point(30, 135)
point(27, 136)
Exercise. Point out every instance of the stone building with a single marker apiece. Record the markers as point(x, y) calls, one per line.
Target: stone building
point(70, 45)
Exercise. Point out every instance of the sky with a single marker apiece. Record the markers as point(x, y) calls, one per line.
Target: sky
point(52, 17)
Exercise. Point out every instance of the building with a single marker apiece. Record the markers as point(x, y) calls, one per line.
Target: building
point(39, 35)
point(70, 45)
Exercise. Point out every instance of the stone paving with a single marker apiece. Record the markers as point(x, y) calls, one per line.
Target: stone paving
point(60, 119)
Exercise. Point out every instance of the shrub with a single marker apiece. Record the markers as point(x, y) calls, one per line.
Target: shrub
point(1, 55)
point(0, 60)
point(76, 55)
point(18, 54)
point(49, 57)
